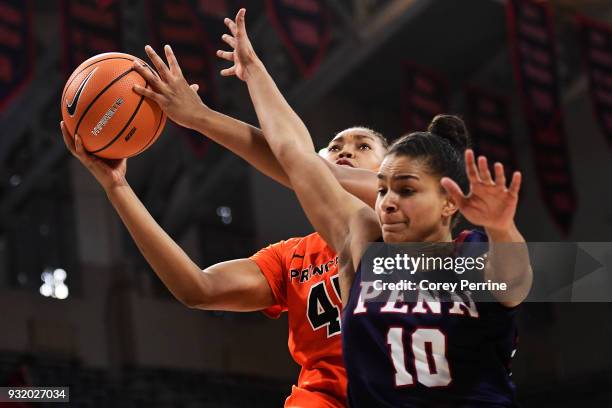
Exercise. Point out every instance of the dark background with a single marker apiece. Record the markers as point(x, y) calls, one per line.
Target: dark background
point(120, 335)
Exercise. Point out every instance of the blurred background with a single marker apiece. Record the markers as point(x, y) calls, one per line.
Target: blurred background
point(79, 306)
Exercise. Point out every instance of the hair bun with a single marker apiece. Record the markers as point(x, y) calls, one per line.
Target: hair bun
point(451, 128)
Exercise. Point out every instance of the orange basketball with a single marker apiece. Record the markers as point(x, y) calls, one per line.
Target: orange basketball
point(98, 104)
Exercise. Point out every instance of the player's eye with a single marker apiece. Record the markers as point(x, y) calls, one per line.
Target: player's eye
point(382, 191)
point(365, 146)
point(333, 148)
point(406, 192)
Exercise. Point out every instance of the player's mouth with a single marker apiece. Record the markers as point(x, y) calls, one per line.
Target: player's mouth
point(394, 226)
point(344, 162)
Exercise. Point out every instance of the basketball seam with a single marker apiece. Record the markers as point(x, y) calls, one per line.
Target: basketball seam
point(74, 75)
point(76, 129)
point(124, 127)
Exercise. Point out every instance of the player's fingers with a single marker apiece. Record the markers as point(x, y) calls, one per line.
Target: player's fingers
point(68, 140)
point(195, 87)
point(483, 169)
point(148, 75)
point(470, 167)
point(172, 62)
point(231, 41)
point(240, 22)
point(80, 150)
point(229, 71)
point(515, 185)
point(226, 55)
point(159, 64)
point(500, 176)
point(454, 191)
point(148, 93)
point(142, 70)
point(231, 25)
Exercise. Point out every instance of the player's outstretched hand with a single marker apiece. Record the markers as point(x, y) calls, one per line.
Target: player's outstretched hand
point(109, 173)
point(170, 90)
point(489, 203)
point(243, 55)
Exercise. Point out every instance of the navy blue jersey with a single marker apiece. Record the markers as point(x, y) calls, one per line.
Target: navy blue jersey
point(429, 353)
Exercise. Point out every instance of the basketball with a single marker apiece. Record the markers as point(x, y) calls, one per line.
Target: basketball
point(99, 105)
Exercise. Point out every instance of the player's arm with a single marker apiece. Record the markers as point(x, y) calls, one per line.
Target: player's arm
point(492, 205)
point(344, 221)
point(328, 206)
point(249, 143)
point(330, 209)
point(183, 105)
point(361, 183)
point(508, 262)
point(237, 285)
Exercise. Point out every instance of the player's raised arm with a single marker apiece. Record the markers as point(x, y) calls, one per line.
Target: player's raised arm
point(492, 205)
point(329, 208)
point(361, 183)
point(237, 285)
point(182, 104)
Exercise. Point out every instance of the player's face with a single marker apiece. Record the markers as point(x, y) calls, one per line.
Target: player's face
point(356, 147)
point(411, 204)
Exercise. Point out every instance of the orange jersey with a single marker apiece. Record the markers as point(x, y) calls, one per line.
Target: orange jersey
point(303, 275)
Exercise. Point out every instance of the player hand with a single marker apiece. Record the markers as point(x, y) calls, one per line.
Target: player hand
point(490, 203)
point(109, 173)
point(170, 90)
point(243, 55)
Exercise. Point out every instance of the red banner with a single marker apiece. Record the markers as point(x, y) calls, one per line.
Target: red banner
point(532, 41)
point(89, 28)
point(424, 95)
point(596, 41)
point(304, 26)
point(16, 48)
point(488, 119)
point(175, 22)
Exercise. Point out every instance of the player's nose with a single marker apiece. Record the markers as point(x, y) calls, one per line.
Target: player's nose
point(345, 154)
point(389, 203)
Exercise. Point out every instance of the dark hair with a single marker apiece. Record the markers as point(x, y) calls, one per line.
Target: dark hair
point(377, 135)
point(441, 148)
point(383, 140)
point(453, 129)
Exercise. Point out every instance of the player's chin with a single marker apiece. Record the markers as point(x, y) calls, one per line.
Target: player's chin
point(394, 236)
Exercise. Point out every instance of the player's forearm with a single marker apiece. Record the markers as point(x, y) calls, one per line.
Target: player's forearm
point(290, 142)
point(249, 143)
point(283, 129)
point(242, 139)
point(361, 183)
point(508, 262)
point(171, 264)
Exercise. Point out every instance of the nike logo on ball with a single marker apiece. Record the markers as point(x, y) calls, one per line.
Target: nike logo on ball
point(71, 107)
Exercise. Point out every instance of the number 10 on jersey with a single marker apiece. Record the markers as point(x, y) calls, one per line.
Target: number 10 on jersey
point(430, 361)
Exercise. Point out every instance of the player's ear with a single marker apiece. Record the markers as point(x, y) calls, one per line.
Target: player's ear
point(449, 206)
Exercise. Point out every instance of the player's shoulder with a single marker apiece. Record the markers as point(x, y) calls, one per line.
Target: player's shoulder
point(471, 236)
point(311, 243)
point(314, 243)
